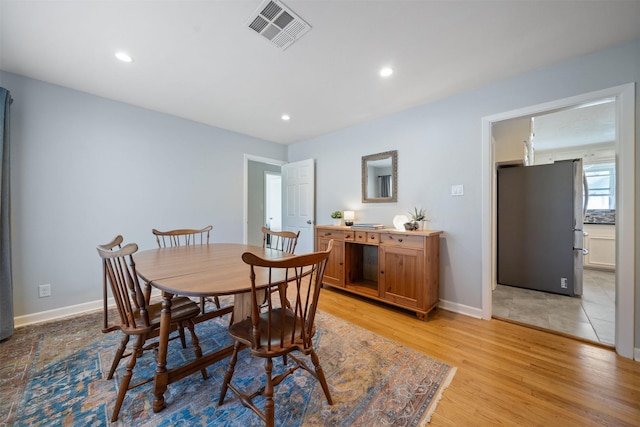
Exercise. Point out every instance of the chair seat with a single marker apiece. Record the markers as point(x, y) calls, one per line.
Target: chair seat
point(243, 332)
point(182, 308)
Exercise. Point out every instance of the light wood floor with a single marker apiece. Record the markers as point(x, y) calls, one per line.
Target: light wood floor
point(507, 374)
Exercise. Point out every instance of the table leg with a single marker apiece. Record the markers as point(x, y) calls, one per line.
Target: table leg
point(242, 305)
point(161, 376)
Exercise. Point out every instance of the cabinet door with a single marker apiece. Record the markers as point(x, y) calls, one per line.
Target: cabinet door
point(334, 271)
point(402, 276)
point(601, 243)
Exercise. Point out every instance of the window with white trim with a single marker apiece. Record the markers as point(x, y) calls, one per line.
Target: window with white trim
point(601, 180)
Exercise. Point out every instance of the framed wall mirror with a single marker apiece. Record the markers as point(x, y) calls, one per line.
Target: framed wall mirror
point(380, 177)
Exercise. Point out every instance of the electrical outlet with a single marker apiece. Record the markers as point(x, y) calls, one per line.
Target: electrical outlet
point(457, 190)
point(44, 290)
point(563, 283)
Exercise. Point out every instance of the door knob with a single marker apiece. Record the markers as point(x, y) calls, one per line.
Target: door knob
point(308, 221)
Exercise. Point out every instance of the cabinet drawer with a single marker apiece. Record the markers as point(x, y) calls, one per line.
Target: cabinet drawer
point(367, 237)
point(349, 235)
point(330, 234)
point(373, 238)
point(402, 241)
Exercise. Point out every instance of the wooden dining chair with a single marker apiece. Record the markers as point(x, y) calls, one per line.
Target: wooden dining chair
point(139, 318)
point(186, 237)
point(116, 243)
point(285, 241)
point(281, 330)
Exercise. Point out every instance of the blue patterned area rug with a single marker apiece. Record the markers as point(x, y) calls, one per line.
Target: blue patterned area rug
point(55, 374)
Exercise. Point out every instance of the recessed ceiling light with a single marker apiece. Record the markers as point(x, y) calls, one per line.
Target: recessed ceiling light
point(386, 71)
point(123, 57)
point(285, 117)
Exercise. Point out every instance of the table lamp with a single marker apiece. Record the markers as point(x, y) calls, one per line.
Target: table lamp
point(349, 217)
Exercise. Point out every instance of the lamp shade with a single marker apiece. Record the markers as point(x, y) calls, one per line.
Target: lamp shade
point(349, 215)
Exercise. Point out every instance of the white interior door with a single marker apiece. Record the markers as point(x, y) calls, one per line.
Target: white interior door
point(298, 202)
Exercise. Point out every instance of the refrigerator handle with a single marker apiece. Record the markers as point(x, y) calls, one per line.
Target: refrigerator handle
point(585, 186)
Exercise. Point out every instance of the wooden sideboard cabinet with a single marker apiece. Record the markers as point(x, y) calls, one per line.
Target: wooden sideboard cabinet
point(399, 268)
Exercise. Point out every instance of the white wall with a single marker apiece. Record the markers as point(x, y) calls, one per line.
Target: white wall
point(86, 168)
point(439, 144)
point(73, 154)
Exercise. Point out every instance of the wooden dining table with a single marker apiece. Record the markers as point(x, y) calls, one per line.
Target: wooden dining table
point(214, 269)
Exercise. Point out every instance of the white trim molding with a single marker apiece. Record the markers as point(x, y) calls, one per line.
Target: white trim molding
point(58, 313)
point(460, 308)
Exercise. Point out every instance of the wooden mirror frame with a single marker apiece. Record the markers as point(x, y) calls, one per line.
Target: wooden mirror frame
point(368, 198)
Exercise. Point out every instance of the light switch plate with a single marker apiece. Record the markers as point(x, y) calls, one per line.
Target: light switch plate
point(457, 190)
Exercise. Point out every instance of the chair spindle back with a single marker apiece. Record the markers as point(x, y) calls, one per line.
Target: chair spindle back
point(303, 274)
point(182, 237)
point(120, 271)
point(285, 241)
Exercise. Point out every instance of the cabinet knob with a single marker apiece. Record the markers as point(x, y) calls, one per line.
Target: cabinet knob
point(400, 240)
point(381, 271)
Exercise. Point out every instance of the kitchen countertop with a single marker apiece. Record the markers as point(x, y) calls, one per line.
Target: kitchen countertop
point(600, 216)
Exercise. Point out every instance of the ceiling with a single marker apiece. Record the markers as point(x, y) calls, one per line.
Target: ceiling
point(198, 60)
point(576, 126)
point(594, 124)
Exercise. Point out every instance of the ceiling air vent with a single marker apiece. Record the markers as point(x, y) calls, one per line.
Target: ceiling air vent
point(277, 23)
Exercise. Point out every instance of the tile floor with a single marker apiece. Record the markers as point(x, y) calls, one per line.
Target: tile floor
point(591, 317)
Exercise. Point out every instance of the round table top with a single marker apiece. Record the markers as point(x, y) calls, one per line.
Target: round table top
point(202, 270)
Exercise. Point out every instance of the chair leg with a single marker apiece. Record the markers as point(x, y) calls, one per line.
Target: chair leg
point(126, 378)
point(229, 374)
point(202, 303)
point(119, 353)
point(183, 340)
point(216, 300)
point(196, 346)
point(321, 378)
point(269, 411)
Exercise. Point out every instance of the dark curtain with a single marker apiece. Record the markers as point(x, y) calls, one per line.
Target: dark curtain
point(6, 285)
point(385, 185)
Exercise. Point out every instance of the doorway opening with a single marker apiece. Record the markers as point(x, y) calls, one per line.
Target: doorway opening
point(273, 200)
point(298, 201)
point(585, 132)
point(255, 199)
point(625, 209)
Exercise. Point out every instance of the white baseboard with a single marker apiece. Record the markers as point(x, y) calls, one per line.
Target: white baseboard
point(59, 313)
point(636, 354)
point(460, 308)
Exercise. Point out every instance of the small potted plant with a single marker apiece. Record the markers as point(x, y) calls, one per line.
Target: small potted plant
point(418, 219)
point(337, 217)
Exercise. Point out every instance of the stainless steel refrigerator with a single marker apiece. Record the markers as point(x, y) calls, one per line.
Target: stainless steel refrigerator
point(540, 216)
